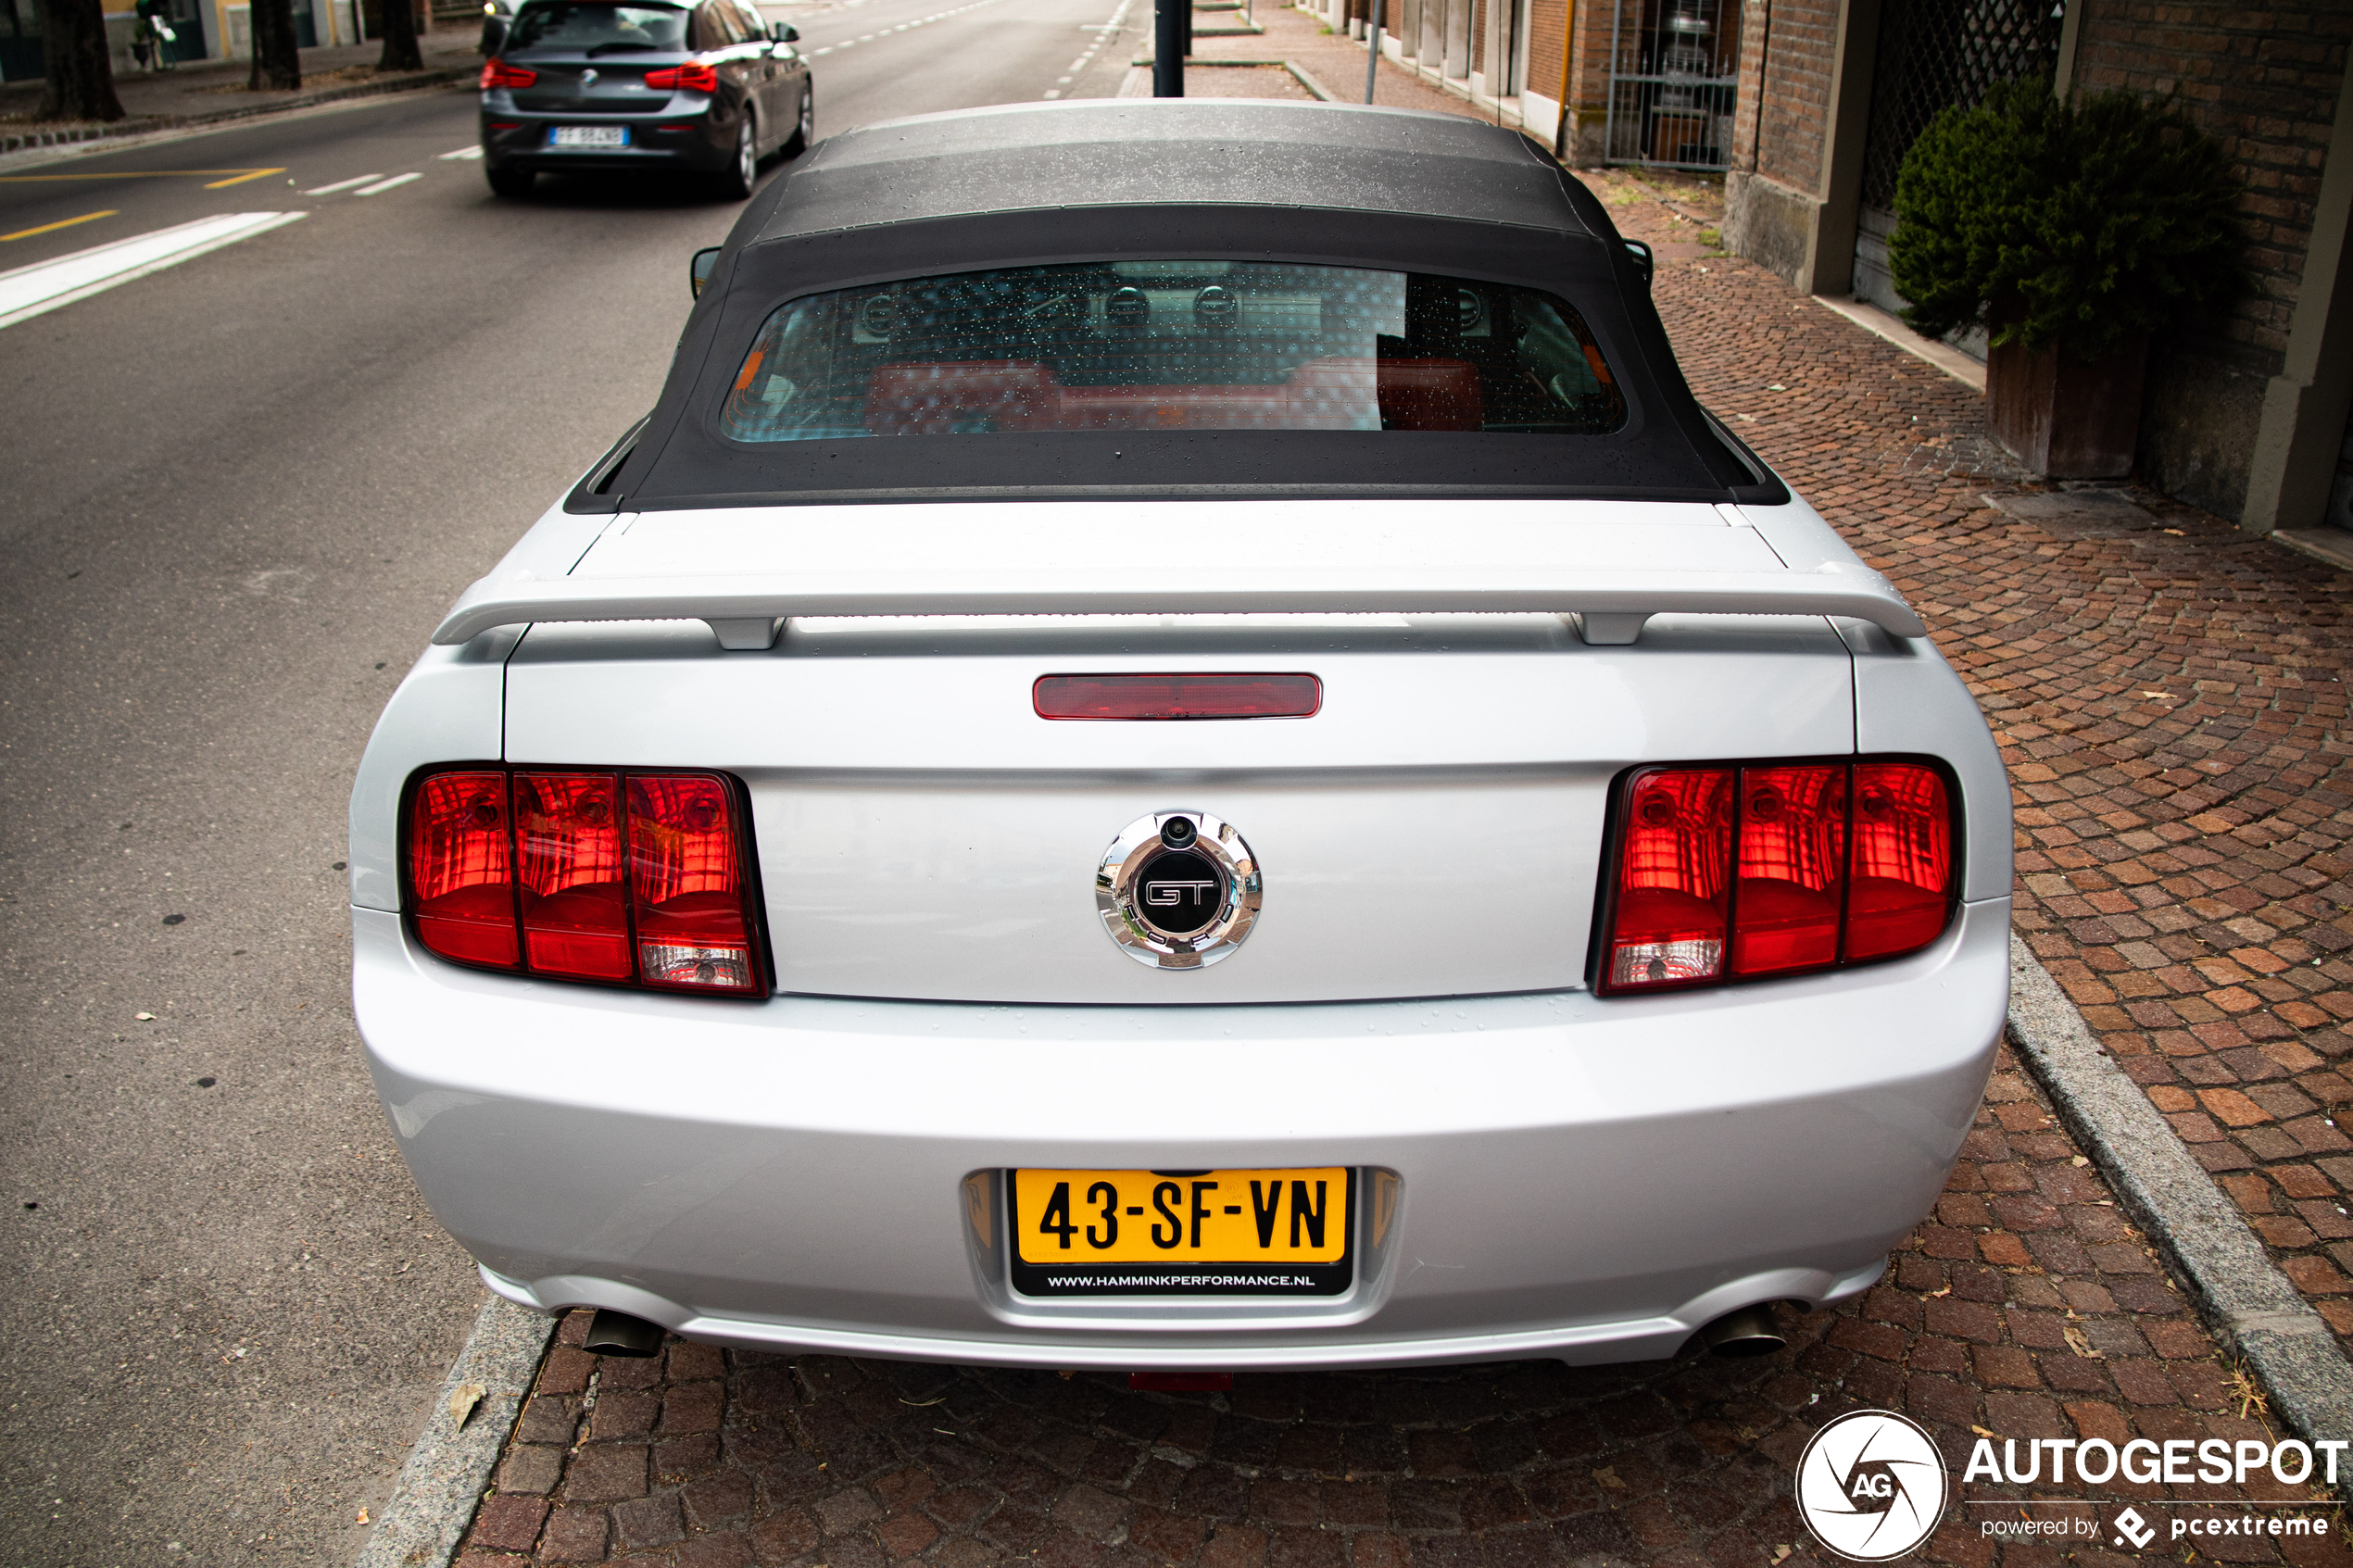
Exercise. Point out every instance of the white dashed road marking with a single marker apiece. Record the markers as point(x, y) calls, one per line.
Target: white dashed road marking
point(382, 185)
point(342, 185)
point(462, 154)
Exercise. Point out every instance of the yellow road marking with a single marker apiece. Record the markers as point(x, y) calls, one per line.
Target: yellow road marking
point(63, 223)
point(140, 174)
point(240, 179)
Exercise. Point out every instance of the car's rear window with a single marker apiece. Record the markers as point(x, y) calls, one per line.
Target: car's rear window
point(1163, 344)
point(569, 24)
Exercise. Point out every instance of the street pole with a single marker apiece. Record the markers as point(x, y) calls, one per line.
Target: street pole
point(1372, 50)
point(1168, 47)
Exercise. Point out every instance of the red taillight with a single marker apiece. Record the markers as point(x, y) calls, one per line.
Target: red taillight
point(1177, 696)
point(687, 884)
point(576, 916)
point(1733, 874)
point(1674, 876)
point(1902, 859)
point(692, 77)
point(638, 878)
point(498, 73)
point(1792, 868)
point(461, 867)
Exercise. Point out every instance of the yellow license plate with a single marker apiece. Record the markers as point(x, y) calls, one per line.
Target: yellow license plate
point(1250, 1232)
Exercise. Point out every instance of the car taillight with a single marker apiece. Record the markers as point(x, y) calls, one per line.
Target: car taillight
point(1177, 696)
point(1738, 871)
point(687, 884)
point(461, 867)
point(692, 77)
point(635, 878)
point(575, 917)
point(499, 73)
point(1674, 879)
point(1903, 875)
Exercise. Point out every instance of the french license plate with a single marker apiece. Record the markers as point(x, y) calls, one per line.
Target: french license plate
point(588, 136)
point(1191, 1233)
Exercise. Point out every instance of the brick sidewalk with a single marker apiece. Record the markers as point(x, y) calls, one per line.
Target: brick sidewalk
point(1330, 57)
point(2170, 698)
point(2028, 1308)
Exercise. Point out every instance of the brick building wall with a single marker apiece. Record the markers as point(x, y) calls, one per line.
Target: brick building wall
point(1547, 24)
point(2266, 83)
point(1780, 130)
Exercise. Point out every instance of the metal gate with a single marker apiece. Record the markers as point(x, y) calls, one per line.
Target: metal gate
point(1935, 54)
point(1674, 71)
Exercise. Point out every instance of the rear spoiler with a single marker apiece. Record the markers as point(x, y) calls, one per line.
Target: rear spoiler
point(1611, 604)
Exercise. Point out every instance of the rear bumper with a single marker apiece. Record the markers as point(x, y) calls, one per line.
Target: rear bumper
point(705, 144)
point(1577, 1179)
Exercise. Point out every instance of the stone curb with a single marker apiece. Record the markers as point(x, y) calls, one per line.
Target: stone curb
point(33, 140)
point(441, 1485)
point(2252, 1306)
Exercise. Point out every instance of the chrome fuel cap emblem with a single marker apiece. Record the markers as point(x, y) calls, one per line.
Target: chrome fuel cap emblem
point(1178, 889)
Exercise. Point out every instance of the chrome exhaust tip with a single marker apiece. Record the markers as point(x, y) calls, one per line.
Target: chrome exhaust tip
point(618, 1334)
point(1747, 1332)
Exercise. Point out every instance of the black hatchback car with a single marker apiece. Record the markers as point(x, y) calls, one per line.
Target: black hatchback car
point(596, 84)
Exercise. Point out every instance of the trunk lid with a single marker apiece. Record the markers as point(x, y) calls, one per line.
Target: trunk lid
point(570, 81)
point(1435, 830)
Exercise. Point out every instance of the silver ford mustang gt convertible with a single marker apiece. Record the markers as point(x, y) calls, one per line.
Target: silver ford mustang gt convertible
point(1177, 748)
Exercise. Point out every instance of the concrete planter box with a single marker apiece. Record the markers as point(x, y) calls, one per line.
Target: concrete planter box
point(2066, 418)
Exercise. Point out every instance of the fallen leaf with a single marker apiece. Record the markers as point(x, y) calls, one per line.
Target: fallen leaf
point(2077, 1343)
point(2177, 533)
point(363, 1516)
point(144, 1017)
point(1934, 1294)
point(2078, 1160)
point(1982, 1433)
point(462, 1400)
point(1780, 1552)
point(1608, 1478)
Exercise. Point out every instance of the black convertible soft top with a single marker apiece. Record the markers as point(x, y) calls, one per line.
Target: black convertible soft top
point(1220, 179)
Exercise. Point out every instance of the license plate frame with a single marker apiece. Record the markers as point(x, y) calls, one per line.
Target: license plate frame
point(588, 138)
point(1041, 1267)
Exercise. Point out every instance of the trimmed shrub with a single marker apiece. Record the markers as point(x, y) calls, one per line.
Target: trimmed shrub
point(2080, 224)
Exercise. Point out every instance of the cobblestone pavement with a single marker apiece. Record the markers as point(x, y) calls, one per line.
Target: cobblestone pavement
point(2169, 696)
point(2026, 1307)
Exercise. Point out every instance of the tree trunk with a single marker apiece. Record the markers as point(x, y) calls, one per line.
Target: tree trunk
point(277, 55)
point(81, 82)
point(401, 52)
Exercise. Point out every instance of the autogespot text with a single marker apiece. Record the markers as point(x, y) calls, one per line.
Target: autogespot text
point(2095, 1461)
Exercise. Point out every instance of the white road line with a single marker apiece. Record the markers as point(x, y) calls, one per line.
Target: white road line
point(463, 154)
point(382, 185)
point(1078, 64)
point(1055, 93)
point(29, 291)
point(819, 53)
point(342, 185)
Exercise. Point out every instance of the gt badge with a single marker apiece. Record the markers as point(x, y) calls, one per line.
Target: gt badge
point(1178, 889)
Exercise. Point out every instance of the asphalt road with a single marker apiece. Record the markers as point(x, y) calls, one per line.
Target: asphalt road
point(240, 490)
